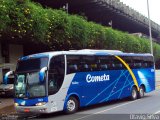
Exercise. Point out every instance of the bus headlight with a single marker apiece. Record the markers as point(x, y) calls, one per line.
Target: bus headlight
point(16, 104)
point(11, 88)
point(40, 103)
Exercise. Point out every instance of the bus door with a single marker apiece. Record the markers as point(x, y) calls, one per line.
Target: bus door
point(56, 74)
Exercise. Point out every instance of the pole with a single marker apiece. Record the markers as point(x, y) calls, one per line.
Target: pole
point(67, 7)
point(150, 30)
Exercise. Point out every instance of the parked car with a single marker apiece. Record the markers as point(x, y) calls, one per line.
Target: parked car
point(7, 90)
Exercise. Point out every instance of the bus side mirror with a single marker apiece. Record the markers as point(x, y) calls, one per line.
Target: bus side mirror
point(42, 74)
point(5, 80)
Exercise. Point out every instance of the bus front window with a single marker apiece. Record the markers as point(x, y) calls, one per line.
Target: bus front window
point(29, 86)
point(35, 88)
point(20, 86)
point(27, 83)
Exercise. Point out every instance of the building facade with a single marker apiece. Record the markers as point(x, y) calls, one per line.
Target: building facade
point(9, 54)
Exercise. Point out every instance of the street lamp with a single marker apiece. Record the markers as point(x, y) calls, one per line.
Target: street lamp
point(150, 30)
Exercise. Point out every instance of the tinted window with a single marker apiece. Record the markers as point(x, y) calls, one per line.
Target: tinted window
point(31, 64)
point(104, 62)
point(89, 63)
point(56, 74)
point(136, 62)
point(73, 64)
point(86, 63)
point(81, 63)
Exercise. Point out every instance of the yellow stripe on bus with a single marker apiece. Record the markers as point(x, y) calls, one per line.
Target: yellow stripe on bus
point(130, 71)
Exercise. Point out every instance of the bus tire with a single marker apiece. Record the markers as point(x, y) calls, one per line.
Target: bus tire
point(134, 93)
point(141, 92)
point(72, 105)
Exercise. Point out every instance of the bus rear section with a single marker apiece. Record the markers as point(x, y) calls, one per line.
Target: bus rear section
point(100, 79)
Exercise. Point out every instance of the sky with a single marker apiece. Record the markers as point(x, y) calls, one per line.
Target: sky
point(141, 7)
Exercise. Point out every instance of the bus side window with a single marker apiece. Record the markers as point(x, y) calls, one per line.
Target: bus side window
point(72, 68)
point(88, 63)
point(131, 65)
point(118, 66)
point(113, 66)
point(103, 63)
point(94, 67)
point(85, 67)
point(138, 64)
point(103, 66)
point(149, 64)
point(73, 64)
point(145, 65)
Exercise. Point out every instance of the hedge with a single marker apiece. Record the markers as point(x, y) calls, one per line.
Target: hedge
point(29, 21)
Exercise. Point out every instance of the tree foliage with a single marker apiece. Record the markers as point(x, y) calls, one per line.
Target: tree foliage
point(29, 21)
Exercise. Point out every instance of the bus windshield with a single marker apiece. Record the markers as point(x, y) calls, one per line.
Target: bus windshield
point(31, 64)
point(27, 84)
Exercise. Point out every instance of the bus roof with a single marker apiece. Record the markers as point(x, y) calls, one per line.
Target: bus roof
point(105, 52)
point(84, 52)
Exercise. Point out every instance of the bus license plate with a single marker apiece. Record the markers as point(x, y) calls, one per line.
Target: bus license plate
point(26, 110)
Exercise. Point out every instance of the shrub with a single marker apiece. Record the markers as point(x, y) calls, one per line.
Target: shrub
point(29, 21)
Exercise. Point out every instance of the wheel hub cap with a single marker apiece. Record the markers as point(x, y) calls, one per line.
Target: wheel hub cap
point(70, 105)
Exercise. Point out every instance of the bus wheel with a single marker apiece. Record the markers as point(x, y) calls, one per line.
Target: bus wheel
point(72, 105)
point(134, 93)
point(141, 92)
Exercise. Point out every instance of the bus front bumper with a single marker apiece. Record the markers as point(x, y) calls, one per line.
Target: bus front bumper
point(32, 109)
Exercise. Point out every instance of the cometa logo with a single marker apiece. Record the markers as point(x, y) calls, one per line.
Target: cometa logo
point(90, 78)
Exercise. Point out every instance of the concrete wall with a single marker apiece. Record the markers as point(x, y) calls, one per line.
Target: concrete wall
point(0, 63)
point(1, 58)
point(15, 51)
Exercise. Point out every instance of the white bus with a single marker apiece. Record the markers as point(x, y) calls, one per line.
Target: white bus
point(66, 80)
